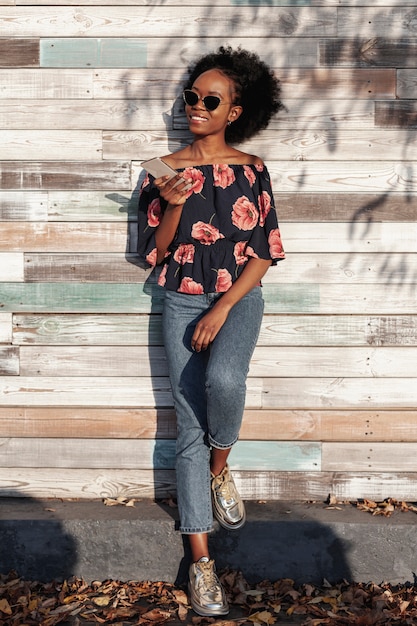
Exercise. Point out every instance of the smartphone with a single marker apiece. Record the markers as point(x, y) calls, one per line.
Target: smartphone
point(157, 167)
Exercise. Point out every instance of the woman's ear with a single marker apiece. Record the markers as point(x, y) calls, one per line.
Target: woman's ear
point(235, 112)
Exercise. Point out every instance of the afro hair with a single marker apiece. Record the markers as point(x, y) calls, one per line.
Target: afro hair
point(257, 88)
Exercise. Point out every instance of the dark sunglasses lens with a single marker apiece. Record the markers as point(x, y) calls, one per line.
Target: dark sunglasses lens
point(190, 97)
point(211, 102)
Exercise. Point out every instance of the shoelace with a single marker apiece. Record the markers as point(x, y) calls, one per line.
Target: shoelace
point(209, 577)
point(224, 490)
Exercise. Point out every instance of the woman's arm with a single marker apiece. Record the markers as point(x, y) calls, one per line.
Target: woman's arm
point(208, 327)
point(175, 194)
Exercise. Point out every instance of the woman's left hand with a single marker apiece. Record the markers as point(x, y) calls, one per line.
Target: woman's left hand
point(207, 328)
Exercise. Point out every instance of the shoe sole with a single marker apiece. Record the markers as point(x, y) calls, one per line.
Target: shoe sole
point(200, 610)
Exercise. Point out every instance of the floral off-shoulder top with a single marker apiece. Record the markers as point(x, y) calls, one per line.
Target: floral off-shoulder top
point(229, 216)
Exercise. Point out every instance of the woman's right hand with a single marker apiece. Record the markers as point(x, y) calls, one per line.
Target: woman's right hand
point(173, 190)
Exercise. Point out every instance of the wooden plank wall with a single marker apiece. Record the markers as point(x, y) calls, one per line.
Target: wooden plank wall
point(88, 90)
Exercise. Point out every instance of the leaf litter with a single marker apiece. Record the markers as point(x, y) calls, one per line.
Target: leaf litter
point(74, 602)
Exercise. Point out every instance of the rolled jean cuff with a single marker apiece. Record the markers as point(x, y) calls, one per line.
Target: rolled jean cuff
point(195, 531)
point(221, 446)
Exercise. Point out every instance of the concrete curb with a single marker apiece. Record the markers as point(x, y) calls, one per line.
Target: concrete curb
point(50, 539)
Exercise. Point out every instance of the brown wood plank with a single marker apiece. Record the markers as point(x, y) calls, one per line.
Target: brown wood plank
point(105, 267)
point(370, 52)
point(19, 52)
point(99, 484)
point(42, 175)
point(276, 330)
point(398, 114)
point(261, 425)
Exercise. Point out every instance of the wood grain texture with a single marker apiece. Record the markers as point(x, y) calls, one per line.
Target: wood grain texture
point(19, 52)
point(49, 83)
point(6, 323)
point(363, 457)
point(398, 114)
point(371, 52)
point(276, 330)
point(258, 425)
point(38, 175)
point(139, 21)
point(11, 266)
point(20, 205)
point(101, 483)
point(29, 145)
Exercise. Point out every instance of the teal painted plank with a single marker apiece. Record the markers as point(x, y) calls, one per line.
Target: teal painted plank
point(86, 52)
point(276, 456)
point(131, 298)
point(254, 456)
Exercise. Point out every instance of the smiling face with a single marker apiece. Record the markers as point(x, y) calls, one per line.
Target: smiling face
point(204, 122)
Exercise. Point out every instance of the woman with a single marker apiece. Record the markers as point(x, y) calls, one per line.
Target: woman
point(215, 239)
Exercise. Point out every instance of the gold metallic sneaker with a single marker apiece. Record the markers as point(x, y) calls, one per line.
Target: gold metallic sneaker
point(206, 592)
point(228, 507)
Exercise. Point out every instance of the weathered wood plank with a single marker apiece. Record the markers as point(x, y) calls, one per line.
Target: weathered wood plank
point(11, 266)
point(87, 115)
point(303, 145)
point(50, 145)
point(398, 21)
point(338, 393)
point(263, 425)
point(398, 114)
point(297, 83)
point(6, 327)
point(406, 83)
point(328, 268)
point(138, 21)
point(371, 52)
point(42, 175)
point(268, 393)
point(97, 391)
point(19, 52)
point(74, 236)
point(90, 52)
point(94, 484)
point(138, 298)
point(219, 3)
point(18, 205)
point(150, 454)
point(63, 83)
point(292, 207)
point(9, 361)
point(364, 457)
point(308, 362)
point(276, 330)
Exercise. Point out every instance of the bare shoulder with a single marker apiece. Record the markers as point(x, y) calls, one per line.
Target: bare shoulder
point(243, 158)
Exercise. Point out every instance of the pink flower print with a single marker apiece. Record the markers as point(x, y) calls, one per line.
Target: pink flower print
point(151, 257)
point(188, 285)
point(264, 203)
point(145, 182)
point(154, 213)
point(223, 176)
point(275, 244)
point(205, 233)
point(224, 280)
point(251, 252)
point(184, 253)
point(245, 214)
point(250, 174)
point(259, 167)
point(162, 276)
point(240, 253)
point(191, 174)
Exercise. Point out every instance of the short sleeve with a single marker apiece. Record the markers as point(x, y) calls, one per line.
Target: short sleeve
point(150, 210)
point(265, 240)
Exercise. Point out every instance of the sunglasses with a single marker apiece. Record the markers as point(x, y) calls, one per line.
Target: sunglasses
point(210, 102)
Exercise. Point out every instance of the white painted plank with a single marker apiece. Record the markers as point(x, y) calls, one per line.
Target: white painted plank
point(6, 327)
point(268, 362)
point(291, 145)
point(46, 83)
point(110, 483)
point(25, 206)
point(138, 21)
point(407, 83)
point(50, 145)
point(398, 21)
point(97, 391)
point(336, 393)
point(365, 457)
point(79, 206)
point(11, 266)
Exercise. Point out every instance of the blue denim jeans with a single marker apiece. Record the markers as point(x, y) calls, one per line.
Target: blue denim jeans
point(209, 389)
